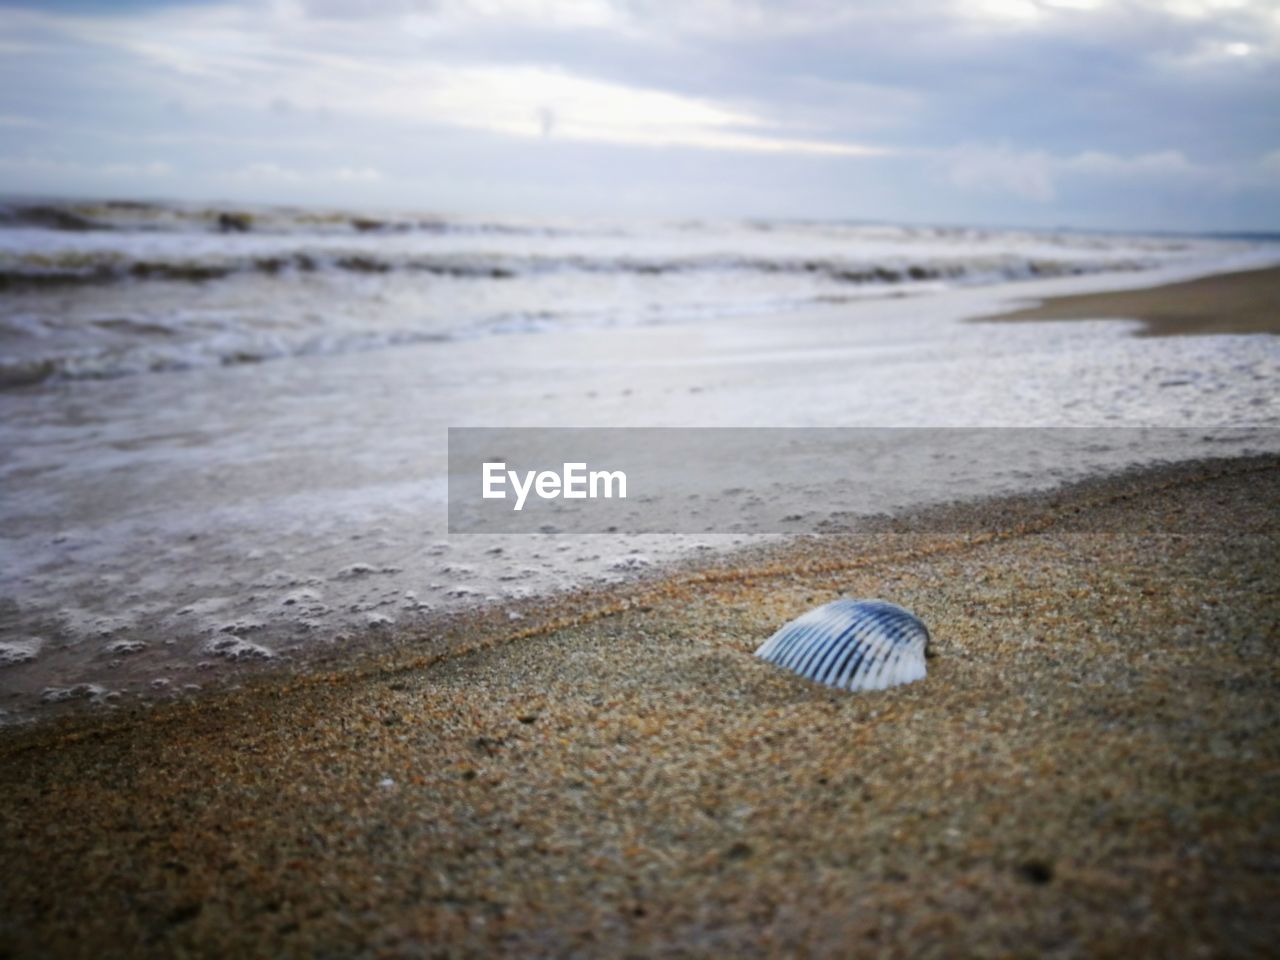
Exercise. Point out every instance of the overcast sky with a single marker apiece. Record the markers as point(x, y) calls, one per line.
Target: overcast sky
point(1104, 113)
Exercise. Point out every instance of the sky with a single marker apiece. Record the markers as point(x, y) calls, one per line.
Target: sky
point(1115, 114)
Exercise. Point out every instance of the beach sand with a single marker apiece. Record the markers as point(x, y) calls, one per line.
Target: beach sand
point(1090, 768)
point(1244, 302)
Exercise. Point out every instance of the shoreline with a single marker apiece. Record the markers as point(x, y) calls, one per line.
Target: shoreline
point(1084, 769)
point(276, 510)
point(449, 633)
point(1239, 302)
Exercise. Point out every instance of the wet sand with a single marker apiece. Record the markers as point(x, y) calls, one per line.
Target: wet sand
point(1090, 768)
point(1244, 302)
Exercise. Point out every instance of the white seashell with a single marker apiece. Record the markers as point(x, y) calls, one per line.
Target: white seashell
point(852, 645)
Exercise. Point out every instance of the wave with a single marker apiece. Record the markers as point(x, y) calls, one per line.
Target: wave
point(168, 287)
point(74, 268)
point(157, 347)
point(126, 217)
point(114, 362)
point(134, 216)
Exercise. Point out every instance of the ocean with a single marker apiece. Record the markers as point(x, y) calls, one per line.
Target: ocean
point(224, 428)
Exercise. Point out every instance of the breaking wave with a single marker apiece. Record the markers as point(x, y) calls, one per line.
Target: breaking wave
point(36, 270)
point(109, 289)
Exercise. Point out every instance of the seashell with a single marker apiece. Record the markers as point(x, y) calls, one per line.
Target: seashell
point(852, 645)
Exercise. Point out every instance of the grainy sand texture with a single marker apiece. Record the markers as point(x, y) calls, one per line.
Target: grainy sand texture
point(1244, 302)
point(1091, 767)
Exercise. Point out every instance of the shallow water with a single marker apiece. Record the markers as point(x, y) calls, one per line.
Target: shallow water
point(252, 467)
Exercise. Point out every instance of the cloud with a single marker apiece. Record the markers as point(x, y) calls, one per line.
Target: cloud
point(1036, 175)
point(222, 56)
point(516, 101)
point(939, 109)
point(39, 166)
point(465, 14)
point(17, 120)
point(1001, 169)
point(274, 173)
point(156, 168)
point(43, 166)
point(1163, 163)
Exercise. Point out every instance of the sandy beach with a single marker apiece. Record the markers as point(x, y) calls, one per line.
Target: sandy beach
point(506, 753)
point(1247, 301)
point(439, 442)
point(1089, 768)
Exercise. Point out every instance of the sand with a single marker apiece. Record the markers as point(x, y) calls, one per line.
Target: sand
point(1090, 768)
point(1244, 302)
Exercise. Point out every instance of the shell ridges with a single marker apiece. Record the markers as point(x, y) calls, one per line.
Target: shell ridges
point(852, 645)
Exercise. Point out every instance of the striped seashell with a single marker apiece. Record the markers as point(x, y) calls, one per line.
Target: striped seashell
point(852, 645)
